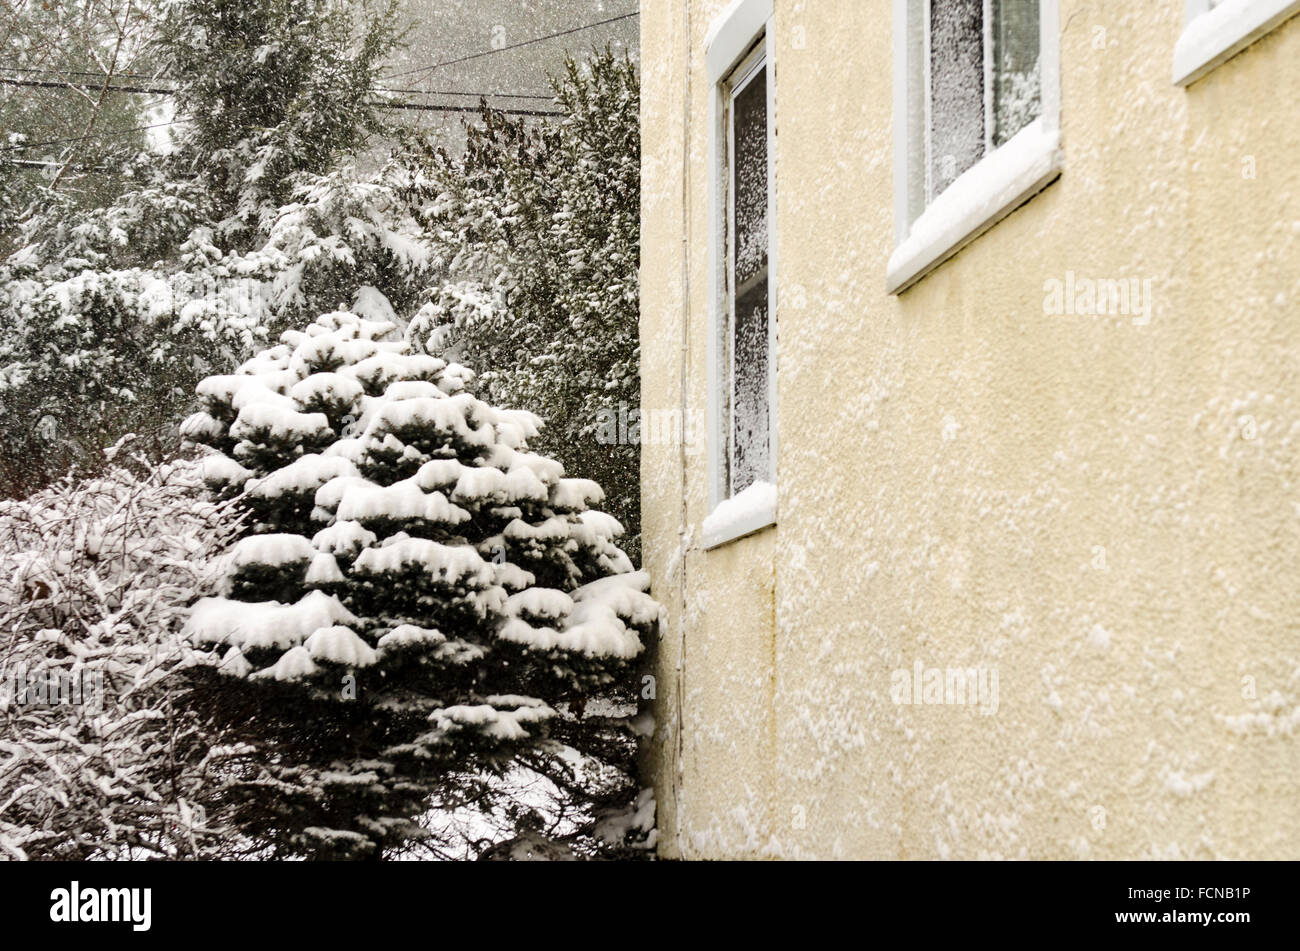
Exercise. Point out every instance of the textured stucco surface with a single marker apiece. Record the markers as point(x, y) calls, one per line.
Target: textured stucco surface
point(1105, 513)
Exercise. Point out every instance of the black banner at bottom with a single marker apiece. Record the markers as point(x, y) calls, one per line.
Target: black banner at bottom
point(1178, 901)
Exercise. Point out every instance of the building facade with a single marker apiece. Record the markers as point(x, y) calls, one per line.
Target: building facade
point(980, 536)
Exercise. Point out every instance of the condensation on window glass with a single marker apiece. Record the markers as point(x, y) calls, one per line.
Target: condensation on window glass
point(749, 186)
point(1017, 83)
point(750, 449)
point(956, 89)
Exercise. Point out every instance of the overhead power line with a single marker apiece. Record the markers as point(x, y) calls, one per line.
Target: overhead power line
point(431, 107)
point(168, 79)
point(15, 68)
point(61, 84)
point(378, 103)
point(22, 146)
point(484, 95)
point(512, 46)
point(30, 163)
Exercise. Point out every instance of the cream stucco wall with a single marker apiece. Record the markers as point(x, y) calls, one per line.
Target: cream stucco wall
point(953, 461)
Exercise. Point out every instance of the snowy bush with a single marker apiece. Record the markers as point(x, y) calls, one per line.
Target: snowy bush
point(86, 359)
point(91, 353)
point(345, 239)
point(110, 316)
point(63, 127)
point(95, 578)
point(419, 597)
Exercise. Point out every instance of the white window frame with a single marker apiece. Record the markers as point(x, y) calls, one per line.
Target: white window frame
point(928, 234)
point(731, 40)
point(1213, 35)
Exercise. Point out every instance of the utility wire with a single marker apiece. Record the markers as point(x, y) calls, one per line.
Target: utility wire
point(14, 68)
point(81, 138)
point(55, 84)
point(513, 46)
point(430, 107)
point(29, 163)
point(168, 79)
point(456, 92)
point(378, 104)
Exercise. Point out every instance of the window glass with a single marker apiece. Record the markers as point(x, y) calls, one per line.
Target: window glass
point(750, 443)
point(1017, 87)
point(964, 122)
point(956, 89)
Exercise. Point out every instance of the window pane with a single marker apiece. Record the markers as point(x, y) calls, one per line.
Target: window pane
point(956, 89)
point(750, 455)
point(749, 187)
point(1017, 91)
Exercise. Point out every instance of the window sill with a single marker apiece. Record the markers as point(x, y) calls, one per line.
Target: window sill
point(1214, 37)
point(979, 198)
point(733, 32)
point(749, 512)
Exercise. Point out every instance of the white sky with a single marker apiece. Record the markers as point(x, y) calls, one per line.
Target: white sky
point(443, 30)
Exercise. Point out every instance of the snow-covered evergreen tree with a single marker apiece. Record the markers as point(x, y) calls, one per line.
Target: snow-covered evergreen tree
point(272, 90)
point(540, 224)
point(111, 316)
point(419, 596)
point(76, 137)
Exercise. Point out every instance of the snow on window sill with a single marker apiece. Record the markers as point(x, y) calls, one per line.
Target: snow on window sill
point(741, 515)
point(1219, 34)
point(980, 197)
point(731, 33)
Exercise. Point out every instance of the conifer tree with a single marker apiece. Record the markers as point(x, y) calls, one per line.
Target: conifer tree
point(253, 222)
point(419, 598)
point(541, 225)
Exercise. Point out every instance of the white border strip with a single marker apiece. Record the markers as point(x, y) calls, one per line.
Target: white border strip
point(1216, 34)
point(751, 511)
point(729, 38)
point(979, 198)
point(732, 34)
